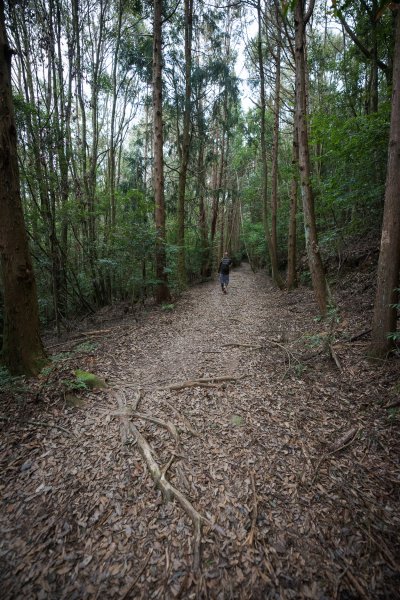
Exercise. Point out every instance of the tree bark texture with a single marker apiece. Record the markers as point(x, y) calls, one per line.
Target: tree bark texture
point(385, 314)
point(185, 143)
point(291, 269)
point(23, 352)
point(314, 257)
point(264, 165)
point(162, 291)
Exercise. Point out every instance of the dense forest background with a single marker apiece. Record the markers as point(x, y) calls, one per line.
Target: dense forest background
point(103, 227)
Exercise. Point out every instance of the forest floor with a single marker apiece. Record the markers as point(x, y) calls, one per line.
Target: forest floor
point(291, 460)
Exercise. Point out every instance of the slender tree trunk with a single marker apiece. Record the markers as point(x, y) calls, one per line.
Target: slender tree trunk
point(384, 319)
point(162, 291)
point(314, 257)
point(202, 208)
point(291, 271)
point(185, 143)
point(23, 351)
point(264, 165)
point(275, 153)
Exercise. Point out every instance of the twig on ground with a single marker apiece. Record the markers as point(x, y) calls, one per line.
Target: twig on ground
point(79, 335)
point(379, 543)
point(132, 585)
point(201, 382)
point(344, 441)
point(340, 444)
point(358, 335)
point(335, 357)
point(239, 345)
point(250, 537)
point(357, 585)
point(39, 424)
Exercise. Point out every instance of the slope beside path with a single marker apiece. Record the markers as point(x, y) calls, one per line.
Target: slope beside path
point(288, 457)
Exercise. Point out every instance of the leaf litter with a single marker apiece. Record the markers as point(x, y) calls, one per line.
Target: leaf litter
point(291, 462)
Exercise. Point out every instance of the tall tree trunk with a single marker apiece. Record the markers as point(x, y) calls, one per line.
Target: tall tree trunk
point(264, 165)
point(162, 291)
point(23, 351)
point(202, 207)
point(185, 143)
point(275, 153)
point(291, 270)
point(385, 313)
point(314, 257)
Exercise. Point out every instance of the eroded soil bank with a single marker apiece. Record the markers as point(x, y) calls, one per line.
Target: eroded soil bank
point(292, 459)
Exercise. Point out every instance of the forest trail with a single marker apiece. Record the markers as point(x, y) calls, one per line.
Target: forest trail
point(294, 466)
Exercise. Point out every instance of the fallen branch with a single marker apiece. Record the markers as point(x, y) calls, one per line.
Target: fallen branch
point(340, 444)
point(358, 335)
point(131, 585)
point(238, 345)
point(357, 585)
point(39, 424)
point(250, 537)
point(76, 337)
point(335, 357)
point(344, 441)
point(201, 382)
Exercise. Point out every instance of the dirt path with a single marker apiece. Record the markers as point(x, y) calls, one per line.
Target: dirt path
point(289, 512)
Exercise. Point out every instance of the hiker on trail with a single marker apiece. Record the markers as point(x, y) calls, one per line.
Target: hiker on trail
point(223, 271)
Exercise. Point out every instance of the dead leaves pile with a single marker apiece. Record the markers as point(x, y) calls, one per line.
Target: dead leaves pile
point(294, 468)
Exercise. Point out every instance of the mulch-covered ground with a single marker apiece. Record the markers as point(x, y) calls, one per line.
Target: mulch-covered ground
point(291, 458)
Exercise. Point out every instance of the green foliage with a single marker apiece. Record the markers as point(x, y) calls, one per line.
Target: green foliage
point(74, 385)
point(88, 380)
point(10, 383)
point(86, 347)
point(349, 200)
point(395, 335)
point(167, 307)
point(237, 420)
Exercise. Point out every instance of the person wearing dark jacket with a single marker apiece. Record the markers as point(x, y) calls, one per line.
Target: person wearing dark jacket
point(223, 271)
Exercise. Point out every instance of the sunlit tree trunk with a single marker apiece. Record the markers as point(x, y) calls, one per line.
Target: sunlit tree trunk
point(385, 313)
point(314, 257)
point(23, 351)
point(162, 291)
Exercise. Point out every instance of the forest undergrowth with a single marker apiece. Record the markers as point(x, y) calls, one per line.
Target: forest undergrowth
point(242, 448)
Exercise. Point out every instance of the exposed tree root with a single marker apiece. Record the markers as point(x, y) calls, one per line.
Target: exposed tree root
point(201, 382)
point(340, 444)
point(335, 357)
point(159, 476)
point(184, 418)
point(169, 492)
point(166, 424)
point(39, 424)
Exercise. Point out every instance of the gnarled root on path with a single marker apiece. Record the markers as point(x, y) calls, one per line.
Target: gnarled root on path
point(159, 477)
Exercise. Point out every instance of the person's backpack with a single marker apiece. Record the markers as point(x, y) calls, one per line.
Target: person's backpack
point(225, 264)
